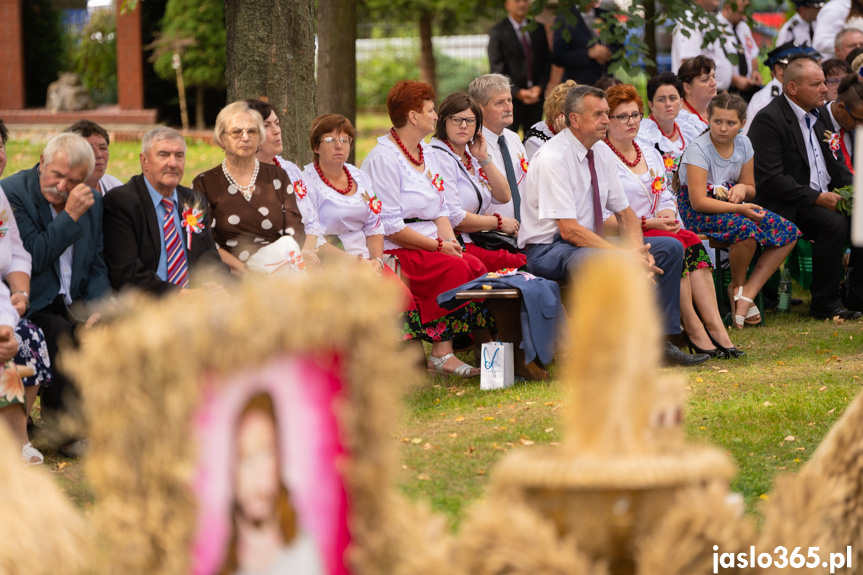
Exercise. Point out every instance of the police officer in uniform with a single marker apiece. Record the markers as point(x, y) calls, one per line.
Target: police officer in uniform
point(776, 60)
point(800, 28)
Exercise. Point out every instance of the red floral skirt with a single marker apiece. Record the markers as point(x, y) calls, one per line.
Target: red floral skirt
point(429, 274)
point(496, 259)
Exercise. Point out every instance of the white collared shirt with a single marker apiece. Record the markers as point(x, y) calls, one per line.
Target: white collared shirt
point(558, 187)
point(831, 20)
point(848, 138)
point(65, 267)
point(797, 29)
point(516, 154)
point(683, 48)
point(819, 179)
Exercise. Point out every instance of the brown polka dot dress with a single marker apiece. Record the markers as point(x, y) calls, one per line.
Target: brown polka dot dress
point(241, 226)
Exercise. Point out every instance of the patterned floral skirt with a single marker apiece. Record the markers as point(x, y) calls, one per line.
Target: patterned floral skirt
point(695, 257)
point(772, 231)
point(32, 352)
point(460, 322)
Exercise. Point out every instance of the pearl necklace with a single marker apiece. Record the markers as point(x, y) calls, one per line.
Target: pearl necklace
point(245, 190)
point(414, 161)
point(622, 157)
point(323, 178)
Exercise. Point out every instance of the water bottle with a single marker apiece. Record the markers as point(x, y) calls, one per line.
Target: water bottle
point(785, 291)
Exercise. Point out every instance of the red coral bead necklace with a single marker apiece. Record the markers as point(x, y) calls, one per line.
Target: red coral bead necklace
point(344, 192)
point(414, 161)
point(622, 157)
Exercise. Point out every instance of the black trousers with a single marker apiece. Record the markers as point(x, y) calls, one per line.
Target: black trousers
point(524, 116)
point(61, 397)
point(829, 232)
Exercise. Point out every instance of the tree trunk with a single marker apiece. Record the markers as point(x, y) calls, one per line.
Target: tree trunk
point(270, 54)
point(650, 34)
point(428, 73)
point(200, 124)
point(337, 59)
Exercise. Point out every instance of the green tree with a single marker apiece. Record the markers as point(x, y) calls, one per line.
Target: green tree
point(93, 56)
point(203, 62)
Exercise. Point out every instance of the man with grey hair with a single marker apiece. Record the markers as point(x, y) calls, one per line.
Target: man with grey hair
point(492, 93)
point(152, 241)
point(60, 220)
point(847, 40)
point(570, 183)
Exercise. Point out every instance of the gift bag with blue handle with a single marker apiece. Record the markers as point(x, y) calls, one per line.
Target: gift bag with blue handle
point(497, 365)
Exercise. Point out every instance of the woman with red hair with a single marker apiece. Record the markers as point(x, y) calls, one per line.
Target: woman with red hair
point(642, 173)
point(407, 179)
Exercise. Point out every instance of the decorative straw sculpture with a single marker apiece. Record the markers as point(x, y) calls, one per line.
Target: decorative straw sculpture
point(141, 375)
point(624, 460)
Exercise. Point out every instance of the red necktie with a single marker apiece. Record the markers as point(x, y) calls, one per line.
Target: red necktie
point(178, 271)
point(597, 203)
point(848, 160)
point(524, 44)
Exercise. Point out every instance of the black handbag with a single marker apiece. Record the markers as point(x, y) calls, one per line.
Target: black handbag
point(490, 240)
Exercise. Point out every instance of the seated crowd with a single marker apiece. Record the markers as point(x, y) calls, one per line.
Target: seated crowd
point(593, 178)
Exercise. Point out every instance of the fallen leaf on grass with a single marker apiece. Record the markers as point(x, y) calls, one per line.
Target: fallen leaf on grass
point(453, 435)
point(554, 443)
point(799, 449)
point(783, 467)
point(549, 403)
point(423, 477)
point(488, 419)
point(549, 429)
point(417, 440)
point(764, 496)
point(61, 465)
point(822, 388)
point(767, 404)
point(789, 438)
point(736, 385)
point(470, 450)
point(797, 460)
point(480, 471)
point(406, 439)
point(831, 411)
point(459, 393)
point(459, 419)
point(526, 441)
point(427, 446)
point(699, 380)
point(702, 428)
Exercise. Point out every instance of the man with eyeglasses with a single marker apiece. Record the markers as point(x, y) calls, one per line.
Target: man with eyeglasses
point(844, 114)
point(147, 245)
point(796, 172)
point(60, 220)
point(572, 181)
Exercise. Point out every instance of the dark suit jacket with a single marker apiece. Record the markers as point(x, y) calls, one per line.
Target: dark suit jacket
point(781, 163)
point(133, 237)
point(506, 55)
point(572, 55)
point(46, 238)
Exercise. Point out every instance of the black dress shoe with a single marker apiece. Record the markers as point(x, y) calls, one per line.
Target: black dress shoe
point(728, 351)
point(853, 303)
point(716, 352)
point(839, 312)
point(672, 355)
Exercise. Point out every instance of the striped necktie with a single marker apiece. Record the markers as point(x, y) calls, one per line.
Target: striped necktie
point(178, 271)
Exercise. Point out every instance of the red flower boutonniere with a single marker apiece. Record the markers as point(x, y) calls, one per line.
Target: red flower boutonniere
point(832, 141)
point(300, 189)
point(671, 163)
point(437, 182)
point(4, 219)
point(193, 222)
point(523, 162)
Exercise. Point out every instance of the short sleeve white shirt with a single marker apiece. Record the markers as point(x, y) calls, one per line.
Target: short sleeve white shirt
point(351, 218)
point(797, 29)
point(517, 155)
point(639, 188)
point(559, 187)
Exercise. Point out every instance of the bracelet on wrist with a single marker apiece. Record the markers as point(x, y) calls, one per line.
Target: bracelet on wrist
point(485, 162)
point(643, 224)
point(26, 295)
point(380, 261)
point(439, 245)
point(499, 221)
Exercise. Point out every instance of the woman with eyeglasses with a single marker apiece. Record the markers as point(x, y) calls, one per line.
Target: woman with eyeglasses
point(252, 204)
point(642, 173)
point(473, 180)
point(661, 130)
point(698, 76)
point(406, 175)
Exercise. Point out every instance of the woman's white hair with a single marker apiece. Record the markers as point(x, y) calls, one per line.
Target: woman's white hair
point(230, 112)
point(483, 87)
point(77, 150)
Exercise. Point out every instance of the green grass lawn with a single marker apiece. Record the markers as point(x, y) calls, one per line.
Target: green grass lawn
point(796, 380)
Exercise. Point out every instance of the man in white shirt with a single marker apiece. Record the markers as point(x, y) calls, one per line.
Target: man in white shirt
point(831, 21)
point(568, 186)
point(492, 93)
point(742, 77)
point(801, 27)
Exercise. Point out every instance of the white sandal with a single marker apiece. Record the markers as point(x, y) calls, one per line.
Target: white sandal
point(740, 320)
point(28, 452)
point(464, 370)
